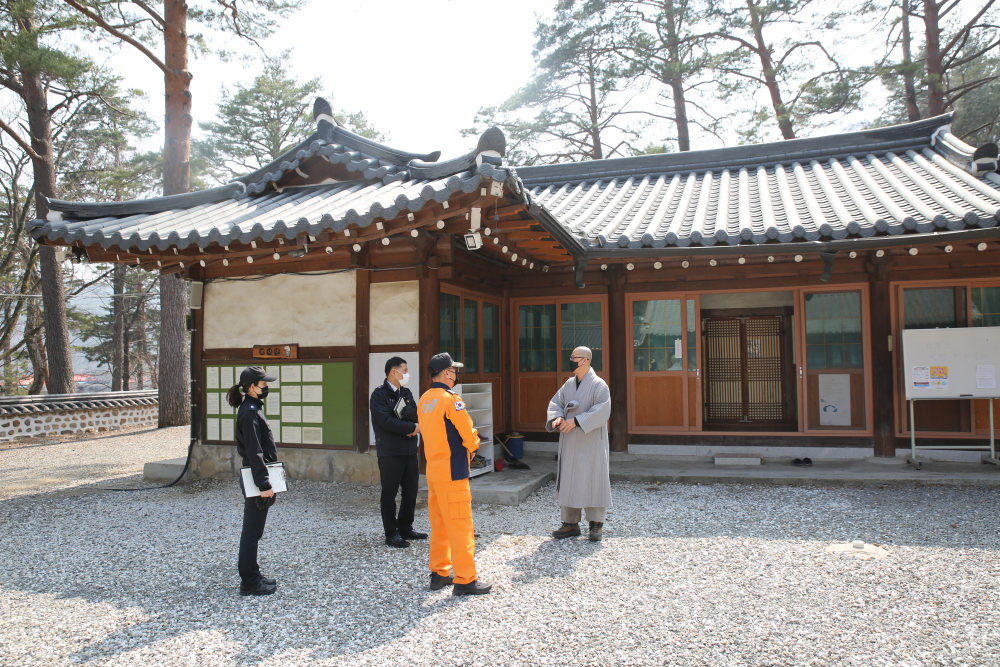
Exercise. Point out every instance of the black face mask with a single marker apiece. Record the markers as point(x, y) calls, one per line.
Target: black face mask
point(263, 393)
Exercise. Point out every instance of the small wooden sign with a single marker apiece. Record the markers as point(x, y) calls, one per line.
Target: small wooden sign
point(289, 351)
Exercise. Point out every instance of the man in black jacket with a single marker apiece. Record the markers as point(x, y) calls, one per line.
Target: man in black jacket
point(394, 421)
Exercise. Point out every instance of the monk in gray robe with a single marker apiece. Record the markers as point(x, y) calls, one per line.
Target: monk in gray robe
point(580, 412)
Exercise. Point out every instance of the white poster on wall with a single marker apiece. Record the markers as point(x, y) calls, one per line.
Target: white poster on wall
point(835, 400)
point(376, 376)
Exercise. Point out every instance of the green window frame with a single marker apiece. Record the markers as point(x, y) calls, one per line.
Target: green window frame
point(470, 333)
point(581, 327)
point(834, 332)
point(491, 337)
point(656, 328)
point(536, 326)
point(451, 325)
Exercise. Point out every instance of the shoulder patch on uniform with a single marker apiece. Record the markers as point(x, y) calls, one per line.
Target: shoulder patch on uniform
point(459, 405)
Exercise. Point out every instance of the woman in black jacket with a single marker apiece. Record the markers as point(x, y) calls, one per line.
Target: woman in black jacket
point(255, 445)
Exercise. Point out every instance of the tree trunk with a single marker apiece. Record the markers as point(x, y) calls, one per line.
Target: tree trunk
point(140, 369)
point(934, 66)
point(36, 349)
point(595, 128)
point(676, 81)
point(781, 112)
point(60, 356)
point(174, 371)
point(127, 354)
point(912, 110)
point(118, 286)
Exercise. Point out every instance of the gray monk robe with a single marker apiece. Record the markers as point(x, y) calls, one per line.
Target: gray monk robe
point(583, 479)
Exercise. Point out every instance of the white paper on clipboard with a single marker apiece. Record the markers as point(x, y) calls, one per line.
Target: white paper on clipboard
point(275, 472)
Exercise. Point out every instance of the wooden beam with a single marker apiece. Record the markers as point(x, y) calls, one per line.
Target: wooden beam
point(880, 322)
point(362, 344)
point(618, 337)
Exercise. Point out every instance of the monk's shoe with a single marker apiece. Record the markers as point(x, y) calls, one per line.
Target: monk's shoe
point(567, 530)
point(596, 531)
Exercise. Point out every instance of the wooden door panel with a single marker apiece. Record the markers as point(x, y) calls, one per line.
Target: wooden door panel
point(659, 400)
point(533, 398)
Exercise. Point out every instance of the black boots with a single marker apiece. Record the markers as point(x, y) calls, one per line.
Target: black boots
point(395, 540)
point(472, 588)
point(438, 582)
point(567, 530)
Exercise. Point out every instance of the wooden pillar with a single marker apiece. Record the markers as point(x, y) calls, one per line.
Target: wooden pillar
point(508, 322)
point(362, 346)
point(197, 363)
point(879, 316)
point(430, 321)
point(618, 338)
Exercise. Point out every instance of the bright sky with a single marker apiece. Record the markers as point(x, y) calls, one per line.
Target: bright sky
point(420, 70)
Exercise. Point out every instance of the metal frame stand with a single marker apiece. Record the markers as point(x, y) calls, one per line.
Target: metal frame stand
point(919, 462)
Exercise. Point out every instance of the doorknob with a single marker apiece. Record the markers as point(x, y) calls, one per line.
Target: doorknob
point(800, 372)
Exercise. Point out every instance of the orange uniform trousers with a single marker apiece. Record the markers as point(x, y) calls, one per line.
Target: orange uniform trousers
point(453, 538)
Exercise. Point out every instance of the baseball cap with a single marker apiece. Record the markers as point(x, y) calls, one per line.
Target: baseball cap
point(255, 374)
point(440, 362)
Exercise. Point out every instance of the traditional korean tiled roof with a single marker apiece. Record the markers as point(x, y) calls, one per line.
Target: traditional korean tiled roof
point(25, 405)
point(905, 179)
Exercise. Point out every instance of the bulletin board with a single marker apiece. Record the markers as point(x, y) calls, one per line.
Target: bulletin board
point(951, 363)
point(311, 404)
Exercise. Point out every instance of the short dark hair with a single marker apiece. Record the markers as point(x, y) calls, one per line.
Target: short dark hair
point(395, 362)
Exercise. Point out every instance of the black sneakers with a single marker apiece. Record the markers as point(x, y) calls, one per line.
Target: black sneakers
point(472, 588)
point(395, 540)
point(259, 589)
point(438, 582)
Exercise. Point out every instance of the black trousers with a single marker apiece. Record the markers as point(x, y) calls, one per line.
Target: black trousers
point(253, 529)
point(398, 471)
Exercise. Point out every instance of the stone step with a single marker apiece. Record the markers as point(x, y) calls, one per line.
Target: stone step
point(737, 460)
point(163, 471)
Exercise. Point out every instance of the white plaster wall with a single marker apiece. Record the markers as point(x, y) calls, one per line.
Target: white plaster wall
point(395, 313)
point(310, 310)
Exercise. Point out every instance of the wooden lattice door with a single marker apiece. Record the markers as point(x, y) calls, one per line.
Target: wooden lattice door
point(745, 371)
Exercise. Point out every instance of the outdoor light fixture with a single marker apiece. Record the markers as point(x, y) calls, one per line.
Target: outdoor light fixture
point(473, 241)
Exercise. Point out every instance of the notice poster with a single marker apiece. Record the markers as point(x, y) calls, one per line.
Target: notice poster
point(227, 430)
point(291, 374)
point(312, 414)
point(212, 377)
point(835, 400)
point(272, 406)
point(939, 378)
point(312, 393)
point(921, 377)
point(291, 413)
point(291, 434)
point(226, 377)
point(986, 377)
point(274, 371)
point(312, 373)
point(275, 429)
point(312, 435)
point(213, 429)
point(212, 403)
point(291, 394)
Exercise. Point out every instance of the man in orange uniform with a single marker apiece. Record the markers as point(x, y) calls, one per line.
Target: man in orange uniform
point(450, 443)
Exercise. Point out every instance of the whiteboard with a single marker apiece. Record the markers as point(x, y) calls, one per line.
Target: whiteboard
point(951, 363)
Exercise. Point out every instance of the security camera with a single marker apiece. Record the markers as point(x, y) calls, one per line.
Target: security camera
point(473, 241)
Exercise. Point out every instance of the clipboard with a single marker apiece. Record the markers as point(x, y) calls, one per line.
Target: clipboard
point(275, 472)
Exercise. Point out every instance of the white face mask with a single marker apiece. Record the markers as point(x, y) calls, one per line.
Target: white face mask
point(403, 380)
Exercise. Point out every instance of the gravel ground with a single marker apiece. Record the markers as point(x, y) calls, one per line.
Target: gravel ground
point(686, 575)
point(33, 465)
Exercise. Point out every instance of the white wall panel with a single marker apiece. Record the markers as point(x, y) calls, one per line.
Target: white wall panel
point(395, 313)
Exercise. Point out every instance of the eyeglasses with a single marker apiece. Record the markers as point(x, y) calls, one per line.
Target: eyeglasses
point(578, 358)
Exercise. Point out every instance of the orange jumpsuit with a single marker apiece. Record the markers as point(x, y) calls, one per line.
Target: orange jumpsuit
point(450, 442)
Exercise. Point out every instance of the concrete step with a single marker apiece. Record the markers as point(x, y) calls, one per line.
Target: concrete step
point(508, 487)
point(737, 460)
point(163, 471)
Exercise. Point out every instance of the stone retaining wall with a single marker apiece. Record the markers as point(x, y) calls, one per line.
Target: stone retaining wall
point(66, 414)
